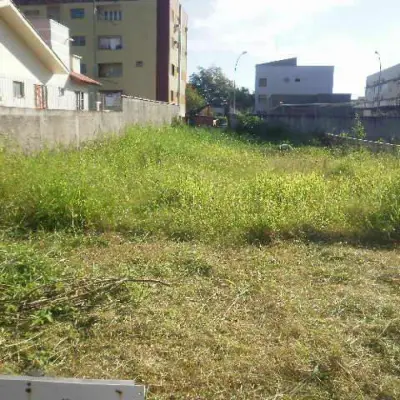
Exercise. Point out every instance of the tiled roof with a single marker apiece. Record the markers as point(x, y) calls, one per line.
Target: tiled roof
point(80, 78)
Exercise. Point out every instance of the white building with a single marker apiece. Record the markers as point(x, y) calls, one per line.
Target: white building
point(285, 80)
point(383, 89)
point(36, 68)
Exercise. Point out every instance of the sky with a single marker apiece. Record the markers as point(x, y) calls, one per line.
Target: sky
point(343, 33)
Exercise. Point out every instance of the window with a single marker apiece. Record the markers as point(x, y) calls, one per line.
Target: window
point(111, 99)
point(172, 96)
point(40, 97)
point(139, 64)
point(80, 100)
point(173, 69)
point(262, 82)
point(105, 13)
point(83, 68)
point(110, 70)
point(77, 13)
point(79, 40)
point(61, 92)
point(110, 42)
point(32, 13)
point(297, 80)
point(262, 99)
point(19, 90)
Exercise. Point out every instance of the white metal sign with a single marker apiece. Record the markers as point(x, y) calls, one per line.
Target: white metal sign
point(29, 388)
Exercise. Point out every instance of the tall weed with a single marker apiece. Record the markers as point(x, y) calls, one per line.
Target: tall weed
point(190, 184)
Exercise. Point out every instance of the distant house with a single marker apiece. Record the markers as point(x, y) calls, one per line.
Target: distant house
point(203, 116)
point(36, 67)
point(285, 82)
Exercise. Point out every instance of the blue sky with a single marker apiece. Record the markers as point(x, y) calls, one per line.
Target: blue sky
point(343, 33)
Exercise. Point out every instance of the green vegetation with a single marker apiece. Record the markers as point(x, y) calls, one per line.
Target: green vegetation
point(195, 185)
point(283, 267)
point(358, 130)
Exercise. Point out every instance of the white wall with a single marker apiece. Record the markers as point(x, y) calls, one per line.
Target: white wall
point(19, 63)
point(56, 36)
point(76, 63)
point(67, 101)
point(294, 80)
point(282, 80)
point(389, 90)
point(60, 42)
point(56, 99)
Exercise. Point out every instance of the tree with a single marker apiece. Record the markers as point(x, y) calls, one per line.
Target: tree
point(217, 89)
point(194, 100)
point(213, 85)
point(244, 99)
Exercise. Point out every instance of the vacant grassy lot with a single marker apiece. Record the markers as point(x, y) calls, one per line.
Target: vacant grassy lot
point(283, 268)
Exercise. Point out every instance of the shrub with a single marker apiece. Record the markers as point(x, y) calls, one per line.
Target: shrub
point(250, 124)
point(358, 130)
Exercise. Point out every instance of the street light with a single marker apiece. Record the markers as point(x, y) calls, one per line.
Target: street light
point(234, 80)
point(379, 83)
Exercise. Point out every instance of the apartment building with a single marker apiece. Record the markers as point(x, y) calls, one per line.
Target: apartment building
point(284, 81)
point(133, 47)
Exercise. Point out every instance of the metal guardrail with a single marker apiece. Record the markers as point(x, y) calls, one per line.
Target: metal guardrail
point(30, 388)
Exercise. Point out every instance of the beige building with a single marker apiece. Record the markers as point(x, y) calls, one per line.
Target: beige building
point(36, 67)
point(134, 47)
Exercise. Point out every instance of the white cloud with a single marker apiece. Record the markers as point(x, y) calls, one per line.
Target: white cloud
point(256, 25)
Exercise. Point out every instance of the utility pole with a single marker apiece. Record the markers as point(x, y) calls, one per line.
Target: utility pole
point(379, 83)
point(234, 80)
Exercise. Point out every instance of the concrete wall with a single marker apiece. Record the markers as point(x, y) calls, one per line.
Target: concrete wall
point(387, 128)
point(33, 130)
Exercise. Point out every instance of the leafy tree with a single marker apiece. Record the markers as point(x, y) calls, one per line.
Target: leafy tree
point(244, 99)
point(194, 100)
point(213, 85)
point(217, 89)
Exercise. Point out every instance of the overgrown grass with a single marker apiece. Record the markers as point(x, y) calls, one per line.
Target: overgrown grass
point(305, 317)
point(196, 185)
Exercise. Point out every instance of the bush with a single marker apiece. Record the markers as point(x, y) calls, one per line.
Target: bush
point(251, 125)
point(358, 130)
point(260, 129)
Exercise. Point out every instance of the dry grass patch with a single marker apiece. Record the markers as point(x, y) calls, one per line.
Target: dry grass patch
point(289, 321)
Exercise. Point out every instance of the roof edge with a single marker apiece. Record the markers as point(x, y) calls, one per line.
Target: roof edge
point(12, 15)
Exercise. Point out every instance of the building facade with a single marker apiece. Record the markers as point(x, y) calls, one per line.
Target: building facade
point(285, 79)
point(133, 47)
point(383, 89)
point(32, 74)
